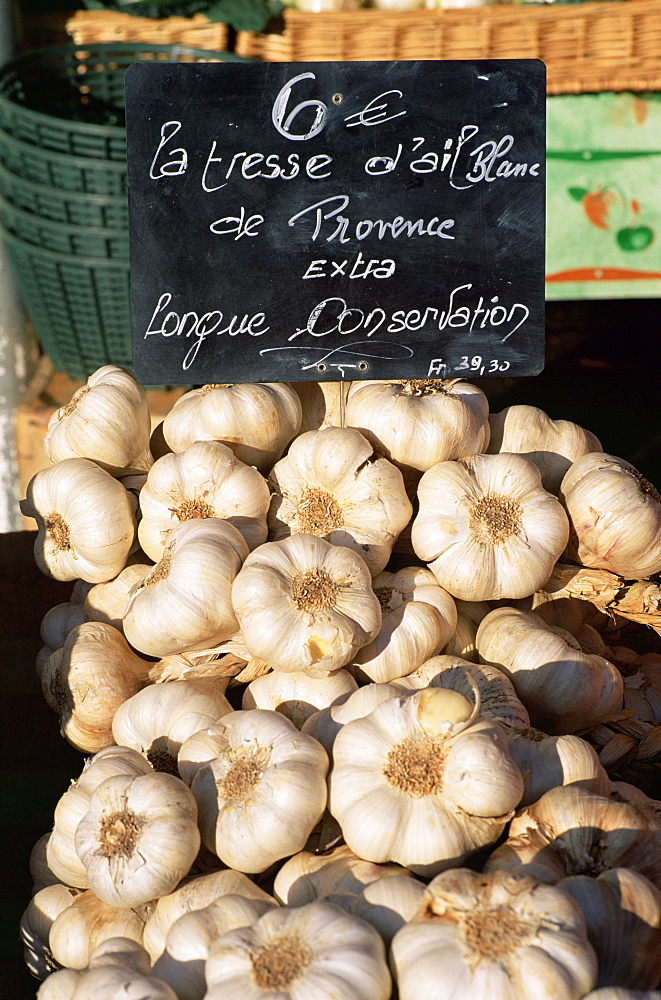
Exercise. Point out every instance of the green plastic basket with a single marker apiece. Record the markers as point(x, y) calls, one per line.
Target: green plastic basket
point(70, 98)
point(79, 306)
point(73, 208)
point(80, 241)
point(58, 170)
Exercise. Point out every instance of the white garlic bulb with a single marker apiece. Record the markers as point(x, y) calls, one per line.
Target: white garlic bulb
point(387, 903)
point(262, 794)
point(417, 618)
point(185, 601)
point(296, 694)
point(552, 445)
point(325, 724)
point(615, 516)
point(84, 925)
point(422, 781)
point(310, 951)
point(487, 528)
point(548, 761)
point(35, 925)
point(331, 484)
point(308, 876)
point(205, 480)
point(138, 838)
point(106, 602)
point(85, 519)
point(119, 967)
point(477, 937)
point(107, 421)
point(304, 604)
point(257, 420)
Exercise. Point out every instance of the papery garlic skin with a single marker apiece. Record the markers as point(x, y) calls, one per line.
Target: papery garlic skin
point(158, 719)
point(387, 903)
point(549, 761)
point(261, 796)
point(469, 616)
point(564, 689)
point(552, 445)
point(107, 602)
point(192, 935)
point(419, 422)
point(623, 914)
point(194, 893)
point(296, 694)
point(487, 528)
point(420, 787)
point(84, 925)
point(35, 925)
point(615, 516)
point(571, 831)
point(308, 876)
point(205, 480)
point(418, 618)
point(322, 403)
point(118, 967)
point(138, 838)
point(304, 604)
point(107, 421)
point(315, 950)
point(185, 602)
point(85, 519)
point(87, 680)
point(257, 420)
point(477, 937)
point(325, 724)
point(331, 484)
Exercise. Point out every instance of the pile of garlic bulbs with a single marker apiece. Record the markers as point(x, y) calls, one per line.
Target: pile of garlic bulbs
point(348, 732)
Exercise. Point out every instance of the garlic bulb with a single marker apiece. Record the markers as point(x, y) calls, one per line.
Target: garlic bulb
point(570, 831)
point(311, 951)
point(106, 602)
point(40, 870)
point(87, 680)
point(118, 968)
point(263, 793)
point(138, 838)
point(469, 616)
point(297, 695)
point(85, 520)
point(387, 903)
point(622, 791)
point(257, 421)
point(419, 422)
point(35, 925)
point(331, 484)
point(552, 445)
point(325, 724)
point(620, 993)
point(58, 622)
point(422, 781)
point(623, 915)
point(88, 922)
point(194, 894)
point(322, 403)
point(307, 876)
point(192, 935)
point(487, 528)
point(106, 421)
point(615, 516)
point(549, 761)
point(185, 603)
point(564, 689)
point(158, 719)
point(73, 804)
point(417, 618)
point(642, 681)
point(205, 480)
point(477, 937)
point(304, 604)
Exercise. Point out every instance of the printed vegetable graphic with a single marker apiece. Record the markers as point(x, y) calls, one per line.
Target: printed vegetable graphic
point(608, 207)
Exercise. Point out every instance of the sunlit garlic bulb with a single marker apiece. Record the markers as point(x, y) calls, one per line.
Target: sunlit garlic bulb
point(331, 484)
point(478, 937)
point(422, 781)
point(304, 604)
point(310, 951)
point(487, 528)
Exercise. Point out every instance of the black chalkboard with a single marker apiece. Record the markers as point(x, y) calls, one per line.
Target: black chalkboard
point(293, 221)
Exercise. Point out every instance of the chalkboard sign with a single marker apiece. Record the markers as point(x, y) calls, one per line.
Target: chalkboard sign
point(317, 221)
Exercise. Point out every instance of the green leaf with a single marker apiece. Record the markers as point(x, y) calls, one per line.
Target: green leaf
point(245, 15)
point(578, 194)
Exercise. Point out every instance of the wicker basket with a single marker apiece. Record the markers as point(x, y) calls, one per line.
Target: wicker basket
point(109, 26)
point(587, 47)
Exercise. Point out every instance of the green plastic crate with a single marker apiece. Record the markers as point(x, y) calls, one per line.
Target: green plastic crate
point(73, 208)
point(80, 241)
point(61, 171)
